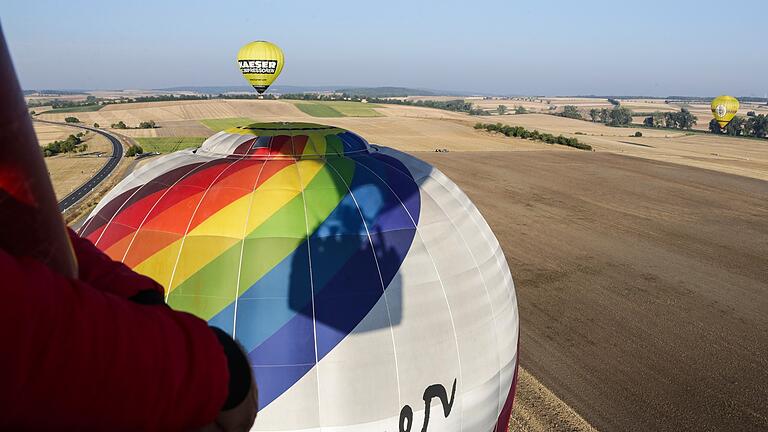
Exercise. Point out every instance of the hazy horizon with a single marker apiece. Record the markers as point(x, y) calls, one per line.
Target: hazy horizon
point(600, 48)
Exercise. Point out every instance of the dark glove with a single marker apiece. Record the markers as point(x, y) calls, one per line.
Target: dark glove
point(148, 297)
point(240, 377)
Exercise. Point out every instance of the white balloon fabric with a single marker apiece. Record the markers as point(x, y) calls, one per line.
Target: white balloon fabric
point(367, 289)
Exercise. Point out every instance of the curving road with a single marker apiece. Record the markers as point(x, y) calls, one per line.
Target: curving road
point(84, 189)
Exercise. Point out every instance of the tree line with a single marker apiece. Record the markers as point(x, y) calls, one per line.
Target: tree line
point(752, 125)
point(682, 119)
point(93, 100)
point(456, 105)
point(521, 132)
point(149, 124)
point(71, 144)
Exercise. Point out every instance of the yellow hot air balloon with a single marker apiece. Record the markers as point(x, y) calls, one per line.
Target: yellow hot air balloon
point(724, 108)
point(260, 63)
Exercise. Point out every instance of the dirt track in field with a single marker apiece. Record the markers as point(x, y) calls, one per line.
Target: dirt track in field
point(643, 285)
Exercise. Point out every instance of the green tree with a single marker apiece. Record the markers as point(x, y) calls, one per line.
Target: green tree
point(714, 127)
point(134, 150)
point(501, 109)
point(594, 114)
point(680, 120)
point(604, 115)
point(72, 120)
point(757, 126)
point(735, 127)
point(619, 116)
point(95, 125)
point(147, 124)
point(571, 111)
point(686, 119)
point(654, 120)
point(119, 125)
point(521, 110)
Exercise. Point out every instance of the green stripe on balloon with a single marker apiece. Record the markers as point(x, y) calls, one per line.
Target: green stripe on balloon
point(213, 287)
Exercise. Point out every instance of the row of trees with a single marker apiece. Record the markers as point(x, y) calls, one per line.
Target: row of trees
point(682, 119)
point(755, 126)
point(521, 132)
point(93, 100)
point(502, 109)
point(616, 116)
point(456, 105)
point(58, 103)
point(71, 144)
point(150, 124)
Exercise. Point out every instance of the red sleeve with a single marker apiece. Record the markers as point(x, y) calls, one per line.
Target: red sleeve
point(77, 358)
point(105, 274)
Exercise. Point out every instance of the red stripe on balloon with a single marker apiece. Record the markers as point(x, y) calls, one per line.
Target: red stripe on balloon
point(169, 226)
point(133, 215)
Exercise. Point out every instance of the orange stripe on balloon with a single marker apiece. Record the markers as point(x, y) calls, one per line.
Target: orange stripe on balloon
point(176, 220)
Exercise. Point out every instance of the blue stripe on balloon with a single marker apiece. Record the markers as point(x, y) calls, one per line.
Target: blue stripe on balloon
point(275, 315)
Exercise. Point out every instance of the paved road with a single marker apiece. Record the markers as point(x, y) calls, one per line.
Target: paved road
point(642, 285)
point(117, 154)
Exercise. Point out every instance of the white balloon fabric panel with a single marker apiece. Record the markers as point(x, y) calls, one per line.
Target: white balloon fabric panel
point(368, 290)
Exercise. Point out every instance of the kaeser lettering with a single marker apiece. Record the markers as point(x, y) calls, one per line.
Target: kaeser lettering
point(258, 66)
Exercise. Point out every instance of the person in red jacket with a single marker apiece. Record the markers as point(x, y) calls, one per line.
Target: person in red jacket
point(87, 344)
point(104, 352)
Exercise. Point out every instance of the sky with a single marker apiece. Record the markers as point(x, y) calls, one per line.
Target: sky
point(655, 48)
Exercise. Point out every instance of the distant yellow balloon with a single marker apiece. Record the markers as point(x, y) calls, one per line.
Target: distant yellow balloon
point(724, 108)
point(260, 63)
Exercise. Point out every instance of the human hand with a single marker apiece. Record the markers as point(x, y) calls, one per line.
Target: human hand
point(239, 418)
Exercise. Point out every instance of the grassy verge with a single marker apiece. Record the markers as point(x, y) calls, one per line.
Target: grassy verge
point(82, 108)
point(168, 144)
point(338, 108)
point(218, 125)
point(319, 110)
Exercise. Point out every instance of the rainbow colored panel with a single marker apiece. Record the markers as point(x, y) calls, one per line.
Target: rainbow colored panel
point(283, 235)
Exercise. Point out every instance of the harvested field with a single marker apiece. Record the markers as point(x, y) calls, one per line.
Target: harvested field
point(134, 113)
point(425, 134)
point(68, 171)
point(217, 125)
point(641, 284)
point(566, 126)
point(47, 133)
point(747, 157)
point(183, 128)
point(76, 109)
point(416, 128)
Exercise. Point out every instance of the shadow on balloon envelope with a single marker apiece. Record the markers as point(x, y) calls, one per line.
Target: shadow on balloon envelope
point(352, 259)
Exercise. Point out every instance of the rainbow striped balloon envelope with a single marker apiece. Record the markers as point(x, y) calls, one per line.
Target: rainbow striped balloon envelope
point(368, 291)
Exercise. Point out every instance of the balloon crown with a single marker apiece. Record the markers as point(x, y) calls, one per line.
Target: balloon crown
point(285, 139)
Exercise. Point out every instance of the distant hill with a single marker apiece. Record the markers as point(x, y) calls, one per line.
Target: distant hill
point(386, 92)
point(52, 92)
point(245, 89)
point(355, 91)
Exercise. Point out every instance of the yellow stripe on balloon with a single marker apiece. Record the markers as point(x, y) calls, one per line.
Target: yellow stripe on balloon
point(218, 233)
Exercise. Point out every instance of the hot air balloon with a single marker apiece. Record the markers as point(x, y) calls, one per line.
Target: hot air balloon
point(367, 289)
point(260, 63)
point(724, 108)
